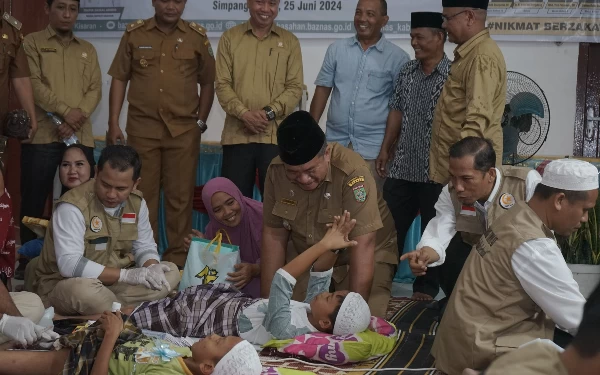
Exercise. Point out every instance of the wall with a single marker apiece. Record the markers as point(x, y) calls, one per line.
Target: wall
point(553, 67)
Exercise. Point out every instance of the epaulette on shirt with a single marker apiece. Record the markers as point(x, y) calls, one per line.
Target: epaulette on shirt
point(135, 25)
point(198, 28)
point(12, 21)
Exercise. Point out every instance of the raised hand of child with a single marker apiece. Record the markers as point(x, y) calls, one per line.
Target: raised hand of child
point(112, 324)
point(337, 235)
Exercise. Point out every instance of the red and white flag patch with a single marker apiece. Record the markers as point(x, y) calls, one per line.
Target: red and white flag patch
point(128, 218)
point(468, 210)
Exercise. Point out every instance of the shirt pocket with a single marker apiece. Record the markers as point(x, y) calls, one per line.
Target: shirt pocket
point(509, 343)
point(326, 216)
point(377, 81)
point(85, 67)
point(7, 53)
point(144, 60)
point(185, 60)
point(285, 211)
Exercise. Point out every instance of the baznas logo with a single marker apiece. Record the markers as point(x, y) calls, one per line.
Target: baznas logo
point(208, 275)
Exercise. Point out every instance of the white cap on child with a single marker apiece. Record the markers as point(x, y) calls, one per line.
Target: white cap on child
point(242, 359)
point(354, 315)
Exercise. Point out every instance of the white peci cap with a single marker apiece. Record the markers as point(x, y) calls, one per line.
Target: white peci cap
point(354, 315)
point(242, 359)
point(570, 174)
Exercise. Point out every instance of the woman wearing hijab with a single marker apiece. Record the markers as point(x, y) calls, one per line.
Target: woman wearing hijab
point(241, 218)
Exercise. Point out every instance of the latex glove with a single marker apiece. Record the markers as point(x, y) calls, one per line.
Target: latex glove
point(19, 329)
point(159, 272)
point(140, 276)
point(46, 334)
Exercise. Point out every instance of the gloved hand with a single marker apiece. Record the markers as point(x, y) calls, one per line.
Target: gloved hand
point(19, 329)
point(159, 272)
point(46, 334)
point(151, 278)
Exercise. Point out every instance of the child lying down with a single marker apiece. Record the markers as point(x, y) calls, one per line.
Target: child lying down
point(201, 311)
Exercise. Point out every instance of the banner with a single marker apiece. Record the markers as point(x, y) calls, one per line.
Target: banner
point(524, 20)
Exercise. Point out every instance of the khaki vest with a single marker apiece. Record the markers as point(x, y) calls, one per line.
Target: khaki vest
point(534, 359)
point(489, 312)
point(512, 182)
point(107, 240)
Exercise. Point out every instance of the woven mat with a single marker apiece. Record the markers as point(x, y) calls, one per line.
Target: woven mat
point(417, 326)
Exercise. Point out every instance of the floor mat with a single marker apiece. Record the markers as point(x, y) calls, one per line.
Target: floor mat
point(417, 326)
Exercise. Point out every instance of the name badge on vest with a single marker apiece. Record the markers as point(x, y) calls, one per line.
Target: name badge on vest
point(99, 243)
point(128, 218)
point(507, 201)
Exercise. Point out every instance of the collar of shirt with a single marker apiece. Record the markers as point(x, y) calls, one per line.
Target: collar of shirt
point(274, 29)
point(492, 196)
point(465, 48)
point(378, 46)
point(443, 65)
point(50, 33)
point(151, 23)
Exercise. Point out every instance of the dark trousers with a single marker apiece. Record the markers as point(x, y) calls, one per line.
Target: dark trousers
point(456, 256)
point(38, 168)
point(240, 163)
point(405, 200)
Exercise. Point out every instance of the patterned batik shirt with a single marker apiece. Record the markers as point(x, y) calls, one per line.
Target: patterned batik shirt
point(416, 95)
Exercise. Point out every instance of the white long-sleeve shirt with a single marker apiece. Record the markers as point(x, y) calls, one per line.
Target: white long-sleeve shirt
point(69, 230)
point(442, 227)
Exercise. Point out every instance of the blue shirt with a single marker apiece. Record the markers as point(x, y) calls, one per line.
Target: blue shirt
point(362, 83)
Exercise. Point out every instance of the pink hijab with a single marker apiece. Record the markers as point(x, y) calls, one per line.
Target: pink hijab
point(247, 234)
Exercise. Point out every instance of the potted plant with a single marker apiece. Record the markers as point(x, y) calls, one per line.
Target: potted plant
point(582, 252)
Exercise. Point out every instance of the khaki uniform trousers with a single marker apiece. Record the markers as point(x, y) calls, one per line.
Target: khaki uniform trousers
point(170, 163)
point(30, 306)
point(381, 289)
point(79, 296)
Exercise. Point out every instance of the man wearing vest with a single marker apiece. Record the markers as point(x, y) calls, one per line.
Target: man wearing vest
point(541, 357)
point(99, 246)
point(515, 285)
point(476, 196)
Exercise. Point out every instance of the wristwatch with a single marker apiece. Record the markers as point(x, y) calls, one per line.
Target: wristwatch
point(270, 113)
point(202, 125)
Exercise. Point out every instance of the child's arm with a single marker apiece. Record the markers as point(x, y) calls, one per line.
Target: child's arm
point(336, 238)
point(112, 324)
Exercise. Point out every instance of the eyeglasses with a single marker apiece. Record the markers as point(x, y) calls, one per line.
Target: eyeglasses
point(449, 18)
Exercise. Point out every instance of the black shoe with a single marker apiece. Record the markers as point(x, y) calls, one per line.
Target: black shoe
point(20, 271)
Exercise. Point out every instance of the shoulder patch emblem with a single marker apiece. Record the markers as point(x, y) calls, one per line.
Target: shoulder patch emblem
point(507, 200)
point(356, 180)
point(12, 21)
point(135, 25)
point(210, 51)
point(360, 193)
point(198, 28)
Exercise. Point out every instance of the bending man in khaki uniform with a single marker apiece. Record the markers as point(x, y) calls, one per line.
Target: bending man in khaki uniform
point(306, 186)
point(540, 357)
point(99, 247)
point(493, 308)
point(164, 58)
point(473, 98)
point(477, 195)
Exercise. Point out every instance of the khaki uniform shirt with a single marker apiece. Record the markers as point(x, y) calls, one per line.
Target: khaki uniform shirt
point(13, 61)
point(512, 189)
point(535, 359)
point(489, 313)
point(164, 72)
point(107, 240)
point(349, 186)
point(254, 73)
point(64, 76)
point(471, 103)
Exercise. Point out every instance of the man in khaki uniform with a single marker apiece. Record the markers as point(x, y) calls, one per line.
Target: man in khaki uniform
point(67, 82)
point(473, 98)
point(476, 197)
point(540, 357)
point(14, 70)
point(516, 286)
point(99, 247)
point(259, 83)
point(306, 186)
point(164, 58)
